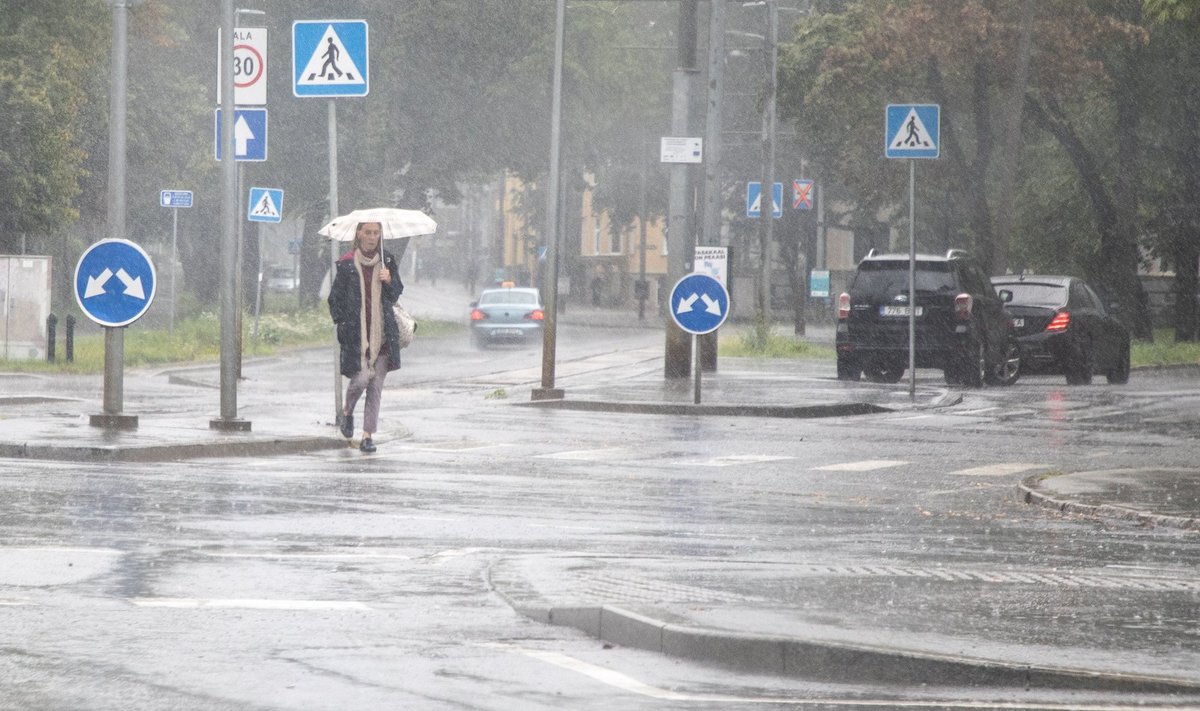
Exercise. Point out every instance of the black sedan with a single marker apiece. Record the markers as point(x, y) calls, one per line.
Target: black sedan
point(1063, 327)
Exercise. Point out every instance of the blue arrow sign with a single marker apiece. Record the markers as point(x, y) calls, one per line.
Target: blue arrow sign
point(249, 134)
point(699, 304)
point(265, 205)
point(912, 130)
point(330, 58)
point(754, 197)
point(114, 282)
point(175, 198)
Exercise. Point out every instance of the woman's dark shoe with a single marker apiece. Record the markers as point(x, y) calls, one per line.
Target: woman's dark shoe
point(347, 426)
point(366, 445)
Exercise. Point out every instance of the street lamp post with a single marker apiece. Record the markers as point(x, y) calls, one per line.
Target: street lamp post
point(767, 199)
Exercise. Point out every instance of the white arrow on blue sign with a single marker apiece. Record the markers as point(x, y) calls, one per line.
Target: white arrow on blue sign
point(330, 58)
point(114, 282)
point(912, 130)
point(699, 304)
point(265, 205)
point(249, 134)
point(754, 199)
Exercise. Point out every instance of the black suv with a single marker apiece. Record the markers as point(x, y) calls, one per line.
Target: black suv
point(960, 322)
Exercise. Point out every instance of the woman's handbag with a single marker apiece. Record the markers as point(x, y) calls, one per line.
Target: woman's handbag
point(407, 324)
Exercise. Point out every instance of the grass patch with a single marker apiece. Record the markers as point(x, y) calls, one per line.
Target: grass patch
point(198, 339)
point(757, 341)
point(1164, 351)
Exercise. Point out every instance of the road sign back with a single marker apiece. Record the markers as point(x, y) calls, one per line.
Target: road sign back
point(330, 58)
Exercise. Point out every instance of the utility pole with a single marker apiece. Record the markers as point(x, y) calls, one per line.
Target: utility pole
point(680, 234)
point(767, 201)
point(710, 231)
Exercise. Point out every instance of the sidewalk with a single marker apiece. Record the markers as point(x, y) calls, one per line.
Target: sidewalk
point(739, 614)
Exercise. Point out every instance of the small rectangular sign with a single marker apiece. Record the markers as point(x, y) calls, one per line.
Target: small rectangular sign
point(681, 149)
point(175, 198)
point(713, 261)
point(818, 284)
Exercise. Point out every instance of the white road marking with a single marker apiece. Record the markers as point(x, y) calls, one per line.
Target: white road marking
point(586, 455)
point(999, 469)
point(732, 460)
point(625, 682)
point(863, 466)
point(247, 604)
point(451, 446)
point(312, 556)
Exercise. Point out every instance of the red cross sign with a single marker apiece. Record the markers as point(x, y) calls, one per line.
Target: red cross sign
point(802, 189)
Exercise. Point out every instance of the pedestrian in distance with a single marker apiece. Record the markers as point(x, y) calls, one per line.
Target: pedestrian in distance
point(366, 285)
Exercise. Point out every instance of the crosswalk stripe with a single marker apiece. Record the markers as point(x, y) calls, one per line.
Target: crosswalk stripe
point(999, 469)
point(863, 466)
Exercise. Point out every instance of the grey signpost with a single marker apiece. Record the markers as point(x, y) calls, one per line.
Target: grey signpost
point(331, 58)
point(911, 132)
point(174, 199)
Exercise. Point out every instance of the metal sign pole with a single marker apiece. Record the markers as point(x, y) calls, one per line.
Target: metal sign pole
point(259, 286)
point(912, 279)
point(174, 246)
point(696, 369)
point(333, 255)
point(114, 338)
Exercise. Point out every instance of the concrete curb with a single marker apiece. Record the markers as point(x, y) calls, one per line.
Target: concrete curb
point(658, 408)
point(168, 452)
point(829, 661)
point(817, 660)
point(1031, 495)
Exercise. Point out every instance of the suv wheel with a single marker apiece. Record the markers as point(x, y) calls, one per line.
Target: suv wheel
point(848, 368)
point(1008, 369)
point(883, 371)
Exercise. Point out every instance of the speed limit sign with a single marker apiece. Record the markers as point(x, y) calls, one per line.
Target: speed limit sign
point(249, 66)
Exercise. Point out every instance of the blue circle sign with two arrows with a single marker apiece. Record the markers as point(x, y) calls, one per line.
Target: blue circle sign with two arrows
point(114, 282)
point(699, 304)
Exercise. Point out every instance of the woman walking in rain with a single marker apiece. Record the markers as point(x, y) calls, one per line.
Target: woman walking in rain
point(365, 287)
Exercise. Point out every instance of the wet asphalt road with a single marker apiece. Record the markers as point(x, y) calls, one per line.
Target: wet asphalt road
point(334, 580)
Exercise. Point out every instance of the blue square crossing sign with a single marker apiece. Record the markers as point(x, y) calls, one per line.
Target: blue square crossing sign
point(912, 130)
point(330, 58)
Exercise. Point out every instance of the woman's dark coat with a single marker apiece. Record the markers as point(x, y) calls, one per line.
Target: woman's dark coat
point(345, 302)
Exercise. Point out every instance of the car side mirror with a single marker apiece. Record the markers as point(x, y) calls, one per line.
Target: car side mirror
point(1006, 296)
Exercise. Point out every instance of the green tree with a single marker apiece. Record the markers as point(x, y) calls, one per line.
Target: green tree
point(48, 54)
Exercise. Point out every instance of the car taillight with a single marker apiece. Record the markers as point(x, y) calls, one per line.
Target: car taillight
point(477, 315)
point(1060, 322)
point(843, 306)
point(536, 315)
point(962, 307)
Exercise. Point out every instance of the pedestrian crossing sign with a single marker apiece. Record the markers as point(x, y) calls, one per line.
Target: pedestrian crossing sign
point(265, 205)
point(912, 130)
point(330, 58)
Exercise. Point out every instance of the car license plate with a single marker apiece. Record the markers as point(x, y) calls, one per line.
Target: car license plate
point(899, 310)
point(1018, 323)
point(506, 332)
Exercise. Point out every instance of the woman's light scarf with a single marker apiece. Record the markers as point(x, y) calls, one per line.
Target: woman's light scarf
point(371, 334)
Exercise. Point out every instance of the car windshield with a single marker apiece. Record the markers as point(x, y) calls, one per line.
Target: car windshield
point(887, 278)
point(1029, 294)
point(507, 297)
